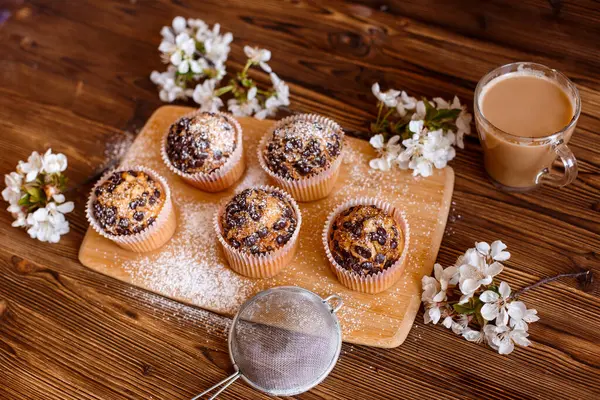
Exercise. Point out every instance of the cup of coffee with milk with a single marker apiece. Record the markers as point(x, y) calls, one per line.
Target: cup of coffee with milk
point(525, 114)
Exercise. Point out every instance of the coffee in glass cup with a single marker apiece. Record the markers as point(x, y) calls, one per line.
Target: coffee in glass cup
point(525, 114)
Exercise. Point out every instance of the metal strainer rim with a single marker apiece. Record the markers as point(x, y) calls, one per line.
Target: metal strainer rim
point(331, 364)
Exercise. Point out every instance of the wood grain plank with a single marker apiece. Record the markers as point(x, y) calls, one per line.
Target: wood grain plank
point(75, 73)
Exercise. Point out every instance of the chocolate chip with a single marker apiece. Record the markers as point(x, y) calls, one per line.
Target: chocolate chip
point(99, 190)
point(151, 220)
point(123, 222)
point(347, 225)
point(393, 244)
point(279, 225)
point(366, 253)
point(254, 213)
point(137, 229)
point(381, 232)
point(367, 265)
point(262, 232)
point(251, 240)
point(152, 200)
point(254, 249)
point(379, 258)
point(138, 216)
point(381, 240)
point(156, 193)
point(235, 244)
point(282, 239)
point(133, 204)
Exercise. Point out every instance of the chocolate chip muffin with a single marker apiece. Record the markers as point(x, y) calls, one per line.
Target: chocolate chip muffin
point(127, 202)
point(201, 143)
point(302, 147)
point(257, 221)
point(365, 239)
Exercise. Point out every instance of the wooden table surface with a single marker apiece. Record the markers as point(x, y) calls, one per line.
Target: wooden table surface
point(75, 74)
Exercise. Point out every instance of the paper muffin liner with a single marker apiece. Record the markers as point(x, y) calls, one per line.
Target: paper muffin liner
point(310, 188)
point(384, 279)
point(153, 236)
point(261, 265)
point(220, 179)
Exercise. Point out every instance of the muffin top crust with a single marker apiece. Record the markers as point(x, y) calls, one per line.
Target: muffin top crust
point(365, 240)
point(302, 148)
point(201, 143)
point(128, 202)
point(257, 221)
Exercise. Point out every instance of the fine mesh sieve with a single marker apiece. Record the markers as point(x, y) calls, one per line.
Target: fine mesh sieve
point(283, 341)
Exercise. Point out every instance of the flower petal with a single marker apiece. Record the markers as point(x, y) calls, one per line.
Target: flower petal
point(483, 247)
point(497, 251)
point(516, 309)
point(489, 311)
point(506, 346)
point(504, 290)
point(489, 296)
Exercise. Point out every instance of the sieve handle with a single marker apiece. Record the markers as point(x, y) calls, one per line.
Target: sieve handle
point(339, 302)
point(225, 382)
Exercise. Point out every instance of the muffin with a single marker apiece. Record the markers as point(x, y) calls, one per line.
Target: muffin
point(205, 149)
point(365, 241)
point(302, 153)
point(258, 229)
point(132, 207)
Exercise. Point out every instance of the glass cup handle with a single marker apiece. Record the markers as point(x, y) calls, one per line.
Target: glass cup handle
point(546, 177)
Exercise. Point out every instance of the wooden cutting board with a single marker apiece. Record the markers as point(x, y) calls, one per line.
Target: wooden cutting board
point(192, 269)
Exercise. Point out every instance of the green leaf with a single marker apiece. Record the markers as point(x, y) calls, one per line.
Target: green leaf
point(446, 114)
point(35, 194)
point(478, 315)
point(24, 200)
point(430, 111)
point(463, 309)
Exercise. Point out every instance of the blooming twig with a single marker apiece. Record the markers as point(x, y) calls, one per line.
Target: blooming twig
point(196, 56)
point(473, 305)
point(34, 194)
point(423, 133)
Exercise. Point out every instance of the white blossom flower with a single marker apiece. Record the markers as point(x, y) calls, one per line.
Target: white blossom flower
point(49, 223)
point(388, 152)
point(463, 126)
point(474, 272)
point(204, 94)
point(503, 338)
point(258, 56)
point(270, 109)
point(499, 307)
point(32, 167)
point(389, 98)
point(420, 111)
point(529, 316)
point(169, 90)
point(247, 108)
point(425, 150)
point(12, 191)
point(217, 49)
point(179, 24)
point(495, 251)
point(457, 326)
point(282, 90)
point(473, 335)
point(182, 56)
point(434, 291)
point(53, 163)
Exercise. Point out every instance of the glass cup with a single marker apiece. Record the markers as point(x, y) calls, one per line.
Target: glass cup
point(517, 163)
